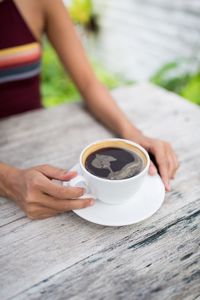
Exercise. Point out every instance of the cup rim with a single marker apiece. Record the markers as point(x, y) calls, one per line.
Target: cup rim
point(116, 180)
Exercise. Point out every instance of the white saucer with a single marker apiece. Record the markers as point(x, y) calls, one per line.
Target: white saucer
point(145, 203)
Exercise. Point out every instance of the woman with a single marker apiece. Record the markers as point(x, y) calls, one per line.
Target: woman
point(23, 24)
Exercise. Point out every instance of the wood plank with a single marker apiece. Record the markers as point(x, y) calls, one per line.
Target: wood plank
point(159, 267)
point(51, 257)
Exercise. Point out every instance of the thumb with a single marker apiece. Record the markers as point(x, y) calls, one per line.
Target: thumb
point(56, 173)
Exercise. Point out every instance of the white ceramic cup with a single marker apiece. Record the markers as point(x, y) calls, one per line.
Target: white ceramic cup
point(106, 190)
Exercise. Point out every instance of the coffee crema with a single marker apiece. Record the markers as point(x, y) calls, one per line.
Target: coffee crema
point(115, 163)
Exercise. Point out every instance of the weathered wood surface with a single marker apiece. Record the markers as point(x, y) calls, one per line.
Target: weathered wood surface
point(69, 258)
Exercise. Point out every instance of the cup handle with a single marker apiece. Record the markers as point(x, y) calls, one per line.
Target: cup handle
point(79, 181)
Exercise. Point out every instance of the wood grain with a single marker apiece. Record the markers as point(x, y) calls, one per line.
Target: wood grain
point(69, 258)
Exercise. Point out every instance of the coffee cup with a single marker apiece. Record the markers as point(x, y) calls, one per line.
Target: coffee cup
point(113, 189)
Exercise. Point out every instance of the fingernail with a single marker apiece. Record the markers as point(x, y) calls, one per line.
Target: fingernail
point(155, 171)
point(64, 171)
point(70, 173)
point(168, 188)
point(152, 171)
point(91, 202)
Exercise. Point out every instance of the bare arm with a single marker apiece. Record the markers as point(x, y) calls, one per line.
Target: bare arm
point(63, 36)
point(32, 189)
point(5, 173)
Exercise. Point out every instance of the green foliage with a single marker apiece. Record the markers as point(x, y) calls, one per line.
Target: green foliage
point(57, 86)
point(191, 90)
point(81, 11)
point(178, 78)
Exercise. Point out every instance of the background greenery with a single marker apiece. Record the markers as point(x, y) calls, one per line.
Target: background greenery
point(176, 76)
point(57, 86)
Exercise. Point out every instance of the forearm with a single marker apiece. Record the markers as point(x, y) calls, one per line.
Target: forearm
point(8, 177)
point(99, 101)
point(72, 55)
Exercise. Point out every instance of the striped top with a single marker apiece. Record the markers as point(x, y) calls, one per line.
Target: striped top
point(21, 62)
point(20, 56)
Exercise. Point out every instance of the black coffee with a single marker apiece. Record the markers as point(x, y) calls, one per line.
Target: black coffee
point(114, 163)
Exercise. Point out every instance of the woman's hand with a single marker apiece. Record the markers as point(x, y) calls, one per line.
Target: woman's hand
point(165, 158)
point(38, 196)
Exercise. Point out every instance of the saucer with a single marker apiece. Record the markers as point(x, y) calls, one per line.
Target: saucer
point(144, 204)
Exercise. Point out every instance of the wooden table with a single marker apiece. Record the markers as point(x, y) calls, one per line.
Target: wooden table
point(66, 257)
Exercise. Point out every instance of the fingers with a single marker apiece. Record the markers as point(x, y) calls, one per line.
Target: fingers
point(164, 172)
point(43, 197)
point(56, 173)
point(65, 205)
point(49, 187)
point(58, 191)
point(48, 206)
point(159, 151)
point(69, 175)
point(176, 164)
point(35, 212)
point(172, 162)
point(166, 160)
point(171, 166)
point(152, 169)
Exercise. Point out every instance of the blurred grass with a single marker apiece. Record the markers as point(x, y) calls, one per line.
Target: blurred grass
point(179, 78)
point(57, 87)
point(81, 11)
